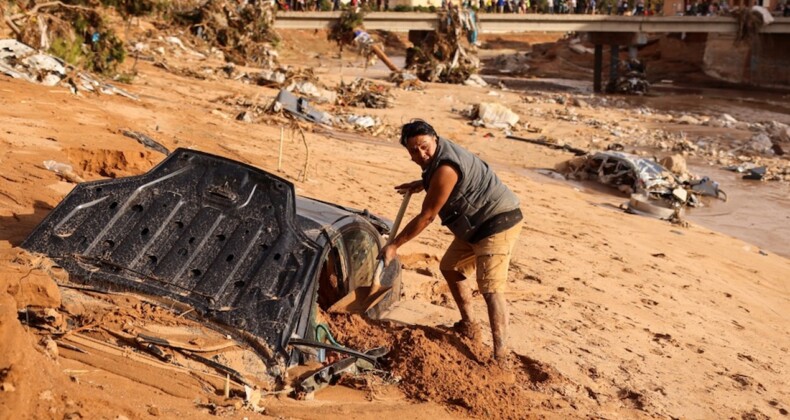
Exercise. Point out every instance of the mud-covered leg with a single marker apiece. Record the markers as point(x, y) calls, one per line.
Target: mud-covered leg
point(461, 292)
point(497, 315)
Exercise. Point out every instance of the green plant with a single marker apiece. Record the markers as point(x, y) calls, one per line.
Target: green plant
point(68, 50)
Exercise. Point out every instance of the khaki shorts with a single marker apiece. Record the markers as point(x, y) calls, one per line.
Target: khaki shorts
point(490, 257)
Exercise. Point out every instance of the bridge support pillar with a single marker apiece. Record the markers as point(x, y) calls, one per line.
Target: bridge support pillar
point(613, 58)
point(597, 68)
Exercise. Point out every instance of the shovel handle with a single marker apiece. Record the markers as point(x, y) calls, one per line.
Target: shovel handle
point(401, 211)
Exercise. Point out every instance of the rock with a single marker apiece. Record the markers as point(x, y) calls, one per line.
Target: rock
point(688, 119)
point(154, 411)
point(727, 118)
point(50, 348)
point(244, 116)
point(676, 164)
point(760, 143)
point(7, 387)
point(580, 103)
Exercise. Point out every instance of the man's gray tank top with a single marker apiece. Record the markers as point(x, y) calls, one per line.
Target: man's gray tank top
point(478, 196)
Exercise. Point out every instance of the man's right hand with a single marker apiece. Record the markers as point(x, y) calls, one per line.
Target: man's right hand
point(412, 187)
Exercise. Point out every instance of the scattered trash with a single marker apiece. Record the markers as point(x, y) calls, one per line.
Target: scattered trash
point(24, 62)
point(364, 94)
point(320, 95)
point(494, 115)
point(64, 170)
point(20, 61)
point(475, 80)
point(755, 174)
point(300, 108)
point(361, 121)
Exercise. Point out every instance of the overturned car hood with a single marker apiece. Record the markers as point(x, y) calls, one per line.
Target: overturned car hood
point(207, 231)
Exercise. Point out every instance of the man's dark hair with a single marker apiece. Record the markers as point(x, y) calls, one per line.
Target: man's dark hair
point(415, 128)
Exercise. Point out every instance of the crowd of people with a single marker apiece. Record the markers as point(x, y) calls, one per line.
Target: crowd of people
point(609, 7)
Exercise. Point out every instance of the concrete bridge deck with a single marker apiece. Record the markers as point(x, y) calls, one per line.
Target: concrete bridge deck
point(501, 23)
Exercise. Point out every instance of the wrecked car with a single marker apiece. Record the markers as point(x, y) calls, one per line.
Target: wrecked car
point(231, 241)
point(654, 190)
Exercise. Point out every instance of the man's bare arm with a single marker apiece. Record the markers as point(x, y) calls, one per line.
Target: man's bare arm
point(442, 184)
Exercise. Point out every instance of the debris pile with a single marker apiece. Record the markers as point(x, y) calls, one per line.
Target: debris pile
point(441, 56)
point(654, 190)
point(516, 64)
point(749, 21)
point(364, 94)
point(77, 34)
point(242, 30)
point(406, 81)
point(631, 78)
point(21, 61)
point(300, 108)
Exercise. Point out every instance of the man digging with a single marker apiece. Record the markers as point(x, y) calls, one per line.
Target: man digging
point(480, 211)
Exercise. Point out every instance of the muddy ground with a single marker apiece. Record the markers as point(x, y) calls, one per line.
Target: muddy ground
point(612, 315)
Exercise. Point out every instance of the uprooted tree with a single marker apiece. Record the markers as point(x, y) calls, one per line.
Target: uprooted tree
point(442, 55)
point(243, 31)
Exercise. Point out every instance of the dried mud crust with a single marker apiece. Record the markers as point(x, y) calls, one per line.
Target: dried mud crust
point(440, 366)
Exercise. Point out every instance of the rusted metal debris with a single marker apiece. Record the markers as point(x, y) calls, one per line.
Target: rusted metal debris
point(442, 56)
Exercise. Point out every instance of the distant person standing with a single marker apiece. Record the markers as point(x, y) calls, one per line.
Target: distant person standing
point(550, 5)
point(639, 10)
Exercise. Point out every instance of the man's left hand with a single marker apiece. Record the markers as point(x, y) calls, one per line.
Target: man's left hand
point(388, 253)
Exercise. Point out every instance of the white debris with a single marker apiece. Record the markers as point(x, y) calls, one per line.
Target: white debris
point(475, 80)
point(494, 115)
point(688, 119)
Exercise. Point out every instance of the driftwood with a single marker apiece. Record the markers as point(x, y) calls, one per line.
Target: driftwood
point(556, 146)
point(11, 20)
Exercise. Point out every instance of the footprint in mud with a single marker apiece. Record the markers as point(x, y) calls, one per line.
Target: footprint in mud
point(537, 372)
point(746, 382)
point(649, 302)
point(774, 403)
point(632, 398)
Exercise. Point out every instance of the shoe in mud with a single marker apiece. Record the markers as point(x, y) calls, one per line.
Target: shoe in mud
point(470, 330)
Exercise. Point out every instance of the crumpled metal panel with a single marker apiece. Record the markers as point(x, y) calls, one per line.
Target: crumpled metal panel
point(204, 230)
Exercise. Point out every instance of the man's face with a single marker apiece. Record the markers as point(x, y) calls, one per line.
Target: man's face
point(421, 149)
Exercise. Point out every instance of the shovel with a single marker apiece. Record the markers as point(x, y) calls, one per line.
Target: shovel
point(364, 297)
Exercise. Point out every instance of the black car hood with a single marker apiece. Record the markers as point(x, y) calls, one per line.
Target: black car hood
point(204, 230)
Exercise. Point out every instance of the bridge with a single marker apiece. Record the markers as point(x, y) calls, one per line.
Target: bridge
point(502, 23)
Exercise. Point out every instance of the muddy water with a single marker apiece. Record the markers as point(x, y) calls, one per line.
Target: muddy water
point(757, 212)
